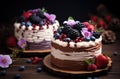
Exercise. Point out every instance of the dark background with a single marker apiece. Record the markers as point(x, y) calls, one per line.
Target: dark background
point(78, 9)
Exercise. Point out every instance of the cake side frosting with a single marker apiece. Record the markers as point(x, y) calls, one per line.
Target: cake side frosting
point(35, 33)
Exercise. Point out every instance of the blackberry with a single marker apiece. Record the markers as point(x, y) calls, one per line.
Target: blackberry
point(21, 19)
point(40, 14)
point(79, 26)
point(35, 19)
point(73, 34)
point(66, 29)
point(96, 34)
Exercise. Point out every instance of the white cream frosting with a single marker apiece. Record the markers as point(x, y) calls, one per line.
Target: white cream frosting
point(35, 35)
point(74, 56)
point(78, 44)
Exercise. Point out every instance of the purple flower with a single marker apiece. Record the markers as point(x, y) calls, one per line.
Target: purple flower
point(5, 61)
point(51, 17)
point(34, 10)
point(71, 22)
point(86, 33)
point(22, 43)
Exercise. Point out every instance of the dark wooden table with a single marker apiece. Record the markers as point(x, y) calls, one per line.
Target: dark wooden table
point(31, 73)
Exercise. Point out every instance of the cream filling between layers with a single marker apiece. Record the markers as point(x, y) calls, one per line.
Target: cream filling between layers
point(74, 56)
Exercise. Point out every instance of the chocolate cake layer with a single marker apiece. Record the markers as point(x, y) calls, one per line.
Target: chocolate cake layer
point(39, 46)
point(69, 64)
point(70, 49)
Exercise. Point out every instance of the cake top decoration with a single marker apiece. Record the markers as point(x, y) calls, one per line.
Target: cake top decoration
point(76, 31)
point(36, 17)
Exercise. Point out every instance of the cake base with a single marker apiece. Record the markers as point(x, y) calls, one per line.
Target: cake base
point(61, 72)
point(31, 53)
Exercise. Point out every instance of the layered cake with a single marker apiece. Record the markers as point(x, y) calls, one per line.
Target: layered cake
point(34, 29)
point(75, 45)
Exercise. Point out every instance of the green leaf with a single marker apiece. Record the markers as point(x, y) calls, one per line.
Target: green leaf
point(87, 62)
point(44, 10)
point(70, 18)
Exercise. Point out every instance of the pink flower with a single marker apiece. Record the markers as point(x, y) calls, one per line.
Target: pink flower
point(5, 61)
point(71, 22)
point(51, 17)
point(22, 43)
point(86, 33)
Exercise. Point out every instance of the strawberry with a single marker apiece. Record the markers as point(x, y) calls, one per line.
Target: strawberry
point(86, 23)
point(101, 61)
point(27, 14)
point(91, 67)
point(94, 18)
point(101, 23)
point(108, 18)
point(90, 27)
point(11, 41)
point(35, 60)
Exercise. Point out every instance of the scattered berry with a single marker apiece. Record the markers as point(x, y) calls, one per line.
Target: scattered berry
point(17, 76)
point(28, 61)
point(89, 77)
point(3, 73)
point(36, 60)
point(39, 69)
point(95, 77)
point(115, 53)
point(21, 68)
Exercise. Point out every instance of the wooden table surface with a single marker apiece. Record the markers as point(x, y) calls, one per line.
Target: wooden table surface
point(31, 73)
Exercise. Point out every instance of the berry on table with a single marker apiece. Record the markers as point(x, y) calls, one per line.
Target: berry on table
point(17, 76)
point(89, 77)
point(3, 73)
point(115, 53)
point(21, 68)
point(39, 69)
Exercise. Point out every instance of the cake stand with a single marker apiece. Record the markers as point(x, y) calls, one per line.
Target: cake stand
point(67, 73)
